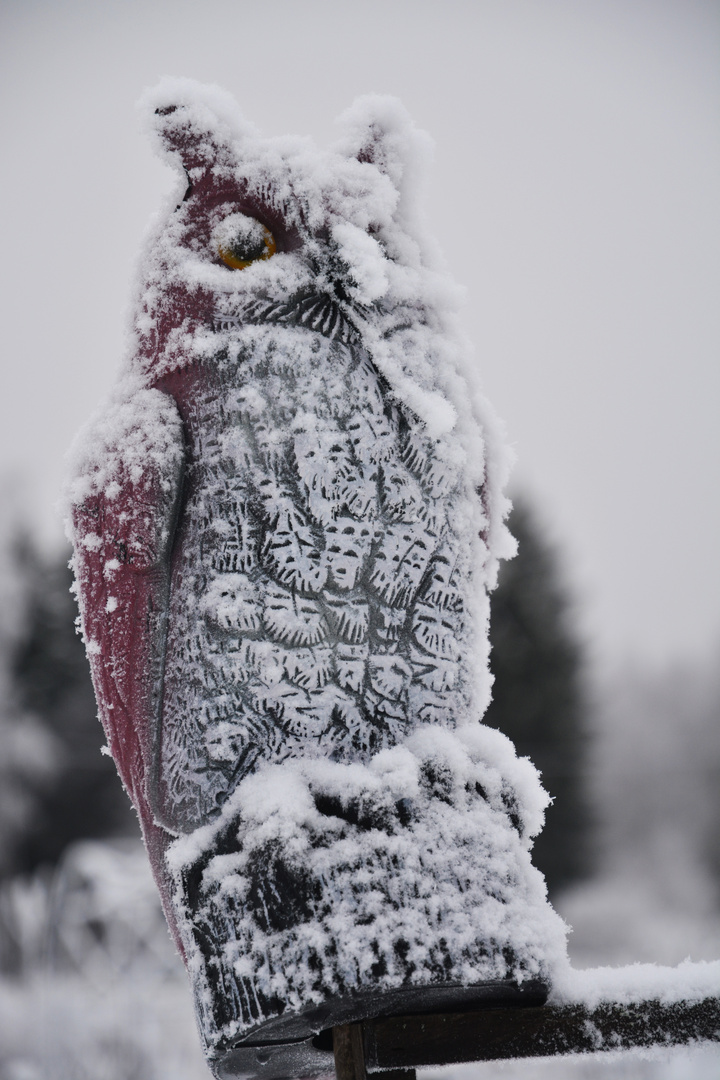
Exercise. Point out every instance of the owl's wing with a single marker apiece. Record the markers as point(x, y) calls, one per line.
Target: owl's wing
point(128, 478)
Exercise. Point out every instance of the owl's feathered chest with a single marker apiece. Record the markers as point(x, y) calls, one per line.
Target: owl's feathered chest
point(313, 594)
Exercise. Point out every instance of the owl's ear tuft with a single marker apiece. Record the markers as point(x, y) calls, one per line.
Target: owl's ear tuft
point(378, 130)
point(200, 126)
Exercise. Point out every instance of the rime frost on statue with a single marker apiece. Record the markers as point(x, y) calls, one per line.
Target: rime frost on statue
point(286, 523)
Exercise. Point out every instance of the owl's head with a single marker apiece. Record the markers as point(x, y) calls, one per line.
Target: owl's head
point(276, 231)
point(272, 218)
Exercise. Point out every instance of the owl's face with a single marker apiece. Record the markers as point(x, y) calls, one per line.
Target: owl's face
point(275, 222)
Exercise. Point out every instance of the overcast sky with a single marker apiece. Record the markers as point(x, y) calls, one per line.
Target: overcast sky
point(574, 193)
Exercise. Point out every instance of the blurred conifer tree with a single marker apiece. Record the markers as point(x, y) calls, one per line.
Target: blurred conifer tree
point(83, 798)
point(28, 752)
point(538, 695)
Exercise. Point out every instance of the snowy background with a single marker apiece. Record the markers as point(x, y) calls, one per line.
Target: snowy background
point(574, 194)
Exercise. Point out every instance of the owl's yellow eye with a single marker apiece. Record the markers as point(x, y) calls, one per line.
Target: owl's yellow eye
point(241, 240)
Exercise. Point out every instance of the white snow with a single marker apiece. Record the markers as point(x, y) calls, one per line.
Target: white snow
point(459, 867)
point(135, 433)
point(635, 983)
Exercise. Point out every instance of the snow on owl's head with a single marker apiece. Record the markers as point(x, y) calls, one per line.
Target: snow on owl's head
point(255, 223)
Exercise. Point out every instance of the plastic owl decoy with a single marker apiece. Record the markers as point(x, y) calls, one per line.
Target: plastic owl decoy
point(286, 523)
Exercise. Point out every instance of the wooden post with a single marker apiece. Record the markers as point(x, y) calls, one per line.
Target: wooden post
point(349, 1051)
point(405, 1042)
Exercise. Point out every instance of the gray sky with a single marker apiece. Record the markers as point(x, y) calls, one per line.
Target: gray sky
point(574, 193)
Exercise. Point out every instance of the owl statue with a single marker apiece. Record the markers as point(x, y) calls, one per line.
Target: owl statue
point(286, 522)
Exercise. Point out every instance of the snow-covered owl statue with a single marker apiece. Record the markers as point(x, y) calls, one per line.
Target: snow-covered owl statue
point(286, 523)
